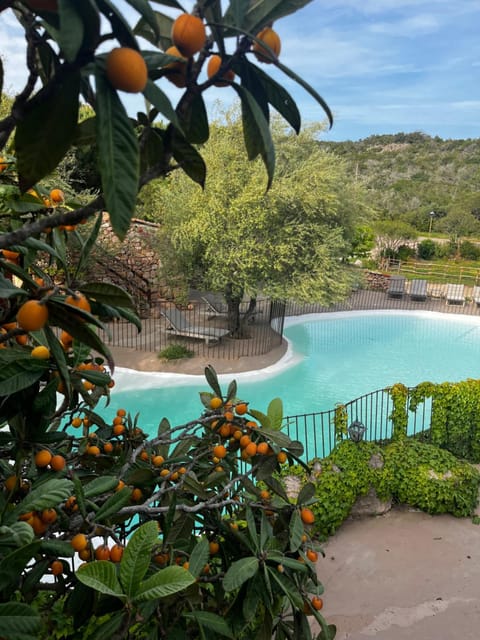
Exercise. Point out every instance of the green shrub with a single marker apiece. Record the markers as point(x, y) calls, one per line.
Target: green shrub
point(426, 249)
point(413, 473)
point(431, 479)
point(469, 250)
point(175, 352)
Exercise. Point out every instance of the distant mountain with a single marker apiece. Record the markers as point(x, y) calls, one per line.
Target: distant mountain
point(412, 174)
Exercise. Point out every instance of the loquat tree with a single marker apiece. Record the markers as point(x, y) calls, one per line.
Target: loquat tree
point(183, 532)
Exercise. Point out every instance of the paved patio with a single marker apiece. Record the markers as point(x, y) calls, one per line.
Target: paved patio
point(402, 576)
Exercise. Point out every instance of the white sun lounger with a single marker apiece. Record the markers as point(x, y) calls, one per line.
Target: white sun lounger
point(418, 289)
point(476, 296)
point(180, 326)
point(455, 294)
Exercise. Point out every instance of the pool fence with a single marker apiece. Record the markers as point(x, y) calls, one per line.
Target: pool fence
point(316, 431)
point(263, 331)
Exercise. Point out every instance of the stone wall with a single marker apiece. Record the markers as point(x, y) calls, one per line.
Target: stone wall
point(133, 264)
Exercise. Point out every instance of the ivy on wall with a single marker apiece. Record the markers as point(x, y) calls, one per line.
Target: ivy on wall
point(455, 418)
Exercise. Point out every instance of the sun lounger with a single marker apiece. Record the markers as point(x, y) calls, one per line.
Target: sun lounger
point(418, 289)
point(396, 287)
point(476, 296)
point(455, 294)
point(180, 326)
point(216, 307)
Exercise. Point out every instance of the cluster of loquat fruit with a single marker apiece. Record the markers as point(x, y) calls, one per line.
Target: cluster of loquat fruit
point(127, 71)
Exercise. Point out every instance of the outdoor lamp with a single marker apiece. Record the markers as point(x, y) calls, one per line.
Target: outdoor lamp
point(356, 431)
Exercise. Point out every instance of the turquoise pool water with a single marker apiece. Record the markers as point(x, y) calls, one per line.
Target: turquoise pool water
point(332, 358)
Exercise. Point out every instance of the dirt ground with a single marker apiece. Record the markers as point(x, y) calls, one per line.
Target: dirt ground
point(402, 576)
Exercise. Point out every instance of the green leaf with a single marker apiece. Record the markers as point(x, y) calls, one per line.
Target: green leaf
point(86, 132)
point(199, 557)
point(239, 572)
point(212, 379)
point(195, 120)
point(211, 621)
point(252, 528)
point(109, 628)
point(39, 245)
point(275, 414)
point(296, 530)
point(164, 583)
point(164, 29)
point(21, 374)
point(44, 135)
point(287, 586)
point(231, 391)
point(189, 159)
point(307, 492)
point(136, 557)
point(253, 84)
point(256, 132)
point(17, 535)
point(120, 26)
point(61, 315)
point(151, 149)
point(12, 564)
point(307, 88)
point(108, 293)
point(79, 495)
point(118, 156)
point(259, 14)
point(145, 10)
point(58, 548)
point(280, 99)
point(58, 355)
point(113, 504)
point(18, 618)
point(88, 245)
point(9, 290)
point(263, 419)
point(290, 563)
point(48, 494)
point(97, 486)
point(279, 438)
point(161, 102)
point(101, 575)
point(71, 32)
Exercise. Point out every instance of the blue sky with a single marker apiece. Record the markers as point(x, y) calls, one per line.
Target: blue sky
point(383, 66)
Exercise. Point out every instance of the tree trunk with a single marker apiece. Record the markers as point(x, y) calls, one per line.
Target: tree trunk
point(233, 311)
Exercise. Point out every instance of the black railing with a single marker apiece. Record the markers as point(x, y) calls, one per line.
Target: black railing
point(316, 431)
point(259, 334)
point(265, 332)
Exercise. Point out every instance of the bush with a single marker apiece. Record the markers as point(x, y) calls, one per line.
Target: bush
point(469, 251)
point(413, 473)
point(426, 249)
point(175, 352)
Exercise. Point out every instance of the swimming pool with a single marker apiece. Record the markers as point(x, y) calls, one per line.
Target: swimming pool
point(331, 358)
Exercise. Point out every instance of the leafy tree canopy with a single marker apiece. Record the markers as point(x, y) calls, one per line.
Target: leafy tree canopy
point(288, 242)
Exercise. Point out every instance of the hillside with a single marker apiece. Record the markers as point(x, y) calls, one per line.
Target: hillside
point(411, 174)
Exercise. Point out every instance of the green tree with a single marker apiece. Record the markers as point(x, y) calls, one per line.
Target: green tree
point(391, 235)
point(235, 238)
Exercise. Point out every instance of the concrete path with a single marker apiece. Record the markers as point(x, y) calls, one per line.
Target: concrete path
point(403, 576)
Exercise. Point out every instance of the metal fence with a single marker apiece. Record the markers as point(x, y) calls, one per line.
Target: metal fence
point(378, 298)
point(265, 330)
point(316, 431)
point(262, 333)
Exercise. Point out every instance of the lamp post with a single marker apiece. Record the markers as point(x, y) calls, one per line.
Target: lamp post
point(356, 431)
point(432, 215)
